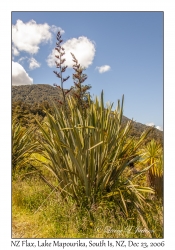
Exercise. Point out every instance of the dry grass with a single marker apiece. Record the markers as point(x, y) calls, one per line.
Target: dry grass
point(38, 213)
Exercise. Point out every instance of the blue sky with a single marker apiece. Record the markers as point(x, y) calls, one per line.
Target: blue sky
point(122, 51)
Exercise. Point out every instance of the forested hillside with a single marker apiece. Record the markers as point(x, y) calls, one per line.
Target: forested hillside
point(36, 93)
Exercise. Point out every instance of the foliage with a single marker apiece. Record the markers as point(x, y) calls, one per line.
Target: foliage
point(37, 212)
point(35, 93)
point(154, 157)
point(88, 156)
point(42, 97)
point(22, 146)
point(25, 113)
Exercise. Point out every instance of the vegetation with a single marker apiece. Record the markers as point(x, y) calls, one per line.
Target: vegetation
point(35, 93)
point(39, 212)
point(80, 172)
point(60, 65)
point(80, 92)
point(22, 146)
point(154, 157)
point(42, 97)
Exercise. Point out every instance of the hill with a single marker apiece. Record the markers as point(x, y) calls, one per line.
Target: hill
point(35, 93)
point(30, 98)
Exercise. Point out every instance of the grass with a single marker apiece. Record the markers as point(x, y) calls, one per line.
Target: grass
point(39, 212)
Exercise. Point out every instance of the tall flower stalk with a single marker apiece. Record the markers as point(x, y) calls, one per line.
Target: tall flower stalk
point(62, 68)
point(80, 91)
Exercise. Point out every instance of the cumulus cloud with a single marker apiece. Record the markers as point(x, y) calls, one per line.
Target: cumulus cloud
point(55, 29)
point(103, 68)
point(28, 36)
point(15, 52)
point(151, 124)
point(33, 64)
point(82, 48)
point(19, 75)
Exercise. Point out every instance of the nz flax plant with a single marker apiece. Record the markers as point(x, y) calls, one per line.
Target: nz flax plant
point(22, 146)
point(88, 156)
point(154, 157)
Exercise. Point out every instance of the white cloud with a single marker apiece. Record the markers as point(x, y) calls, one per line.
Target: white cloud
point(19, 75)
point(151, 124)
point(55, 29)
point(15, 52)
point(22, 59)
point(103, 69)
point(33, 64)
point(82, 48)
point(27, 36)
point(159, 128)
